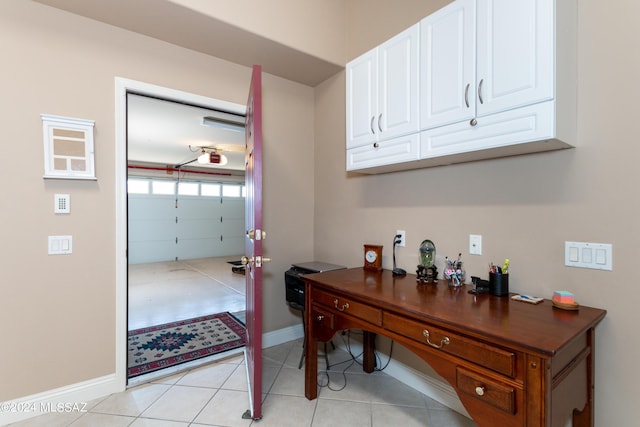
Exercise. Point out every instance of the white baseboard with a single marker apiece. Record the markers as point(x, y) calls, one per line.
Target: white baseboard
point(438, 390)
point(281, 336)
point(71, 398)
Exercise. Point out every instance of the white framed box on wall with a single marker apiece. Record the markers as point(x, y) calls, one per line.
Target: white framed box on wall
point(68, 148)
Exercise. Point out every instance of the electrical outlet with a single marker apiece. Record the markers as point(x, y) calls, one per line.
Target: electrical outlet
point(402, 242)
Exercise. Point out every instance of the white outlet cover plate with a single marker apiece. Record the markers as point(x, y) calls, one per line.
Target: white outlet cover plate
point(402, 234)
point(475, 244)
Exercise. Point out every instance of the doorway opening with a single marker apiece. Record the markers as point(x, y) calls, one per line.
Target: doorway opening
point(191, 273)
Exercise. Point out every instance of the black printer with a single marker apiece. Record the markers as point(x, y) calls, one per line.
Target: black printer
point(295, 285)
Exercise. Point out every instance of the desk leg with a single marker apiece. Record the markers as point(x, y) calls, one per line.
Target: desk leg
point(369, 356)
point(310, 359)
point(585, 417)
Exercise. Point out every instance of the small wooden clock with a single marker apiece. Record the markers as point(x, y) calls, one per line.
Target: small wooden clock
point(373, 257)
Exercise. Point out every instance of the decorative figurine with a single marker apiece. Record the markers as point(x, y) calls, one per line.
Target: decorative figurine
point(454, 272)
point(427, 271)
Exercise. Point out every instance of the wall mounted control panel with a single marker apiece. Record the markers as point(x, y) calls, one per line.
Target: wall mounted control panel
point(598, 256)
point(62, 203)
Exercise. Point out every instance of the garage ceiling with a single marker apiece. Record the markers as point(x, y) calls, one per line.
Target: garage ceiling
point(169, 133)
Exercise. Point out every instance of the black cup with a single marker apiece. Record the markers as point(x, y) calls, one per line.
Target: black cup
point(498, 284)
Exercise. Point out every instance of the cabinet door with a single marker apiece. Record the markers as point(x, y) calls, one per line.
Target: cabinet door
point(399, 150)
point(447, 57)
point(515, 59)
point(502, 133)
point(398, 85)
point(362, 99)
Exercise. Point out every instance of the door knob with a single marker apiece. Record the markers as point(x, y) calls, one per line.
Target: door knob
point(257, 260)
point(257, 234)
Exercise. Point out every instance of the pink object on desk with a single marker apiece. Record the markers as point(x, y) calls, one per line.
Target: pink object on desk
point(563, 297)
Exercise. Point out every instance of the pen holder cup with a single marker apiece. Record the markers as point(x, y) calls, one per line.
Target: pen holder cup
point(498, 284)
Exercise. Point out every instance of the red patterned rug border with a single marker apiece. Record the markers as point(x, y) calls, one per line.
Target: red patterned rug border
point(227, 318)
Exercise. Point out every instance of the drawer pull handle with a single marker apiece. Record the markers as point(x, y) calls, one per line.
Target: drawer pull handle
point(444, 341)
point(344, 306)
point(320, 317)
point(480, 390)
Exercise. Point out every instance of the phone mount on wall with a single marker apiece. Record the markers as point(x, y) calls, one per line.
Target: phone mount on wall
point(427, 271)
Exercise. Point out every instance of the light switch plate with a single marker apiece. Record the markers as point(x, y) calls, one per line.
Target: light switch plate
point(60, 245)
point(598, 256)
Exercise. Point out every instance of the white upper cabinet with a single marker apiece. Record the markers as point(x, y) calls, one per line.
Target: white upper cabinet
point(524, 81)
point(496, 78)
point(382, 91)
point(515, 59)
point(448, 65)
point(485, 56)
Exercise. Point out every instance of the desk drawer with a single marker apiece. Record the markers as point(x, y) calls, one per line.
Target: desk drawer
point(479, 353)
point(323, 323)
point(348, 306)
point(488, 391)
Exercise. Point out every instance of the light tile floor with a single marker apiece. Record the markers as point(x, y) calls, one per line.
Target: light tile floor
point(216, 395)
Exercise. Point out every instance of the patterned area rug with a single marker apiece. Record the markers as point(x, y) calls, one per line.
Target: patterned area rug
point(161, 346)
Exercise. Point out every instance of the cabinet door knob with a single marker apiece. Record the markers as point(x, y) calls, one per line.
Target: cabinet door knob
point(480, 91)
point(376, 145)
point(480, 390)
point(473, 122)
point(371, 125)
point(379, 122)
point(320, 317)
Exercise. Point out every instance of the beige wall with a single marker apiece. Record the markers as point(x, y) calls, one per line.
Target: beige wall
point(311, 26)
point(524, 207)
point(371, 22)
point(58, 312)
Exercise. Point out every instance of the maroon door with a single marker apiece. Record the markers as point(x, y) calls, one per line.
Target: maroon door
point(253, 243)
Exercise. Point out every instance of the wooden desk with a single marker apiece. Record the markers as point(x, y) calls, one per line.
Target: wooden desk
point(511, 363)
